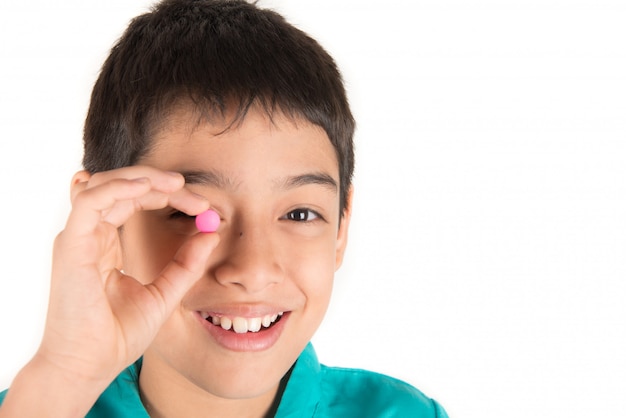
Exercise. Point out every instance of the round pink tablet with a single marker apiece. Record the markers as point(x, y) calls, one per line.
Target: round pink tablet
point(208, 221)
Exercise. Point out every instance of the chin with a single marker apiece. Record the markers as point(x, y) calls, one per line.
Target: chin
point(240, 381)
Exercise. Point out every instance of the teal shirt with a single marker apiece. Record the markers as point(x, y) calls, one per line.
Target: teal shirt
point(313, 390)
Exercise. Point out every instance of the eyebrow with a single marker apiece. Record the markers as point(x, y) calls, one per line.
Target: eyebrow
point(208, 178)
point(220, 181)
point(310, 178)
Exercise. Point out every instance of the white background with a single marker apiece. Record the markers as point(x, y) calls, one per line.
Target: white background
point(487, 262)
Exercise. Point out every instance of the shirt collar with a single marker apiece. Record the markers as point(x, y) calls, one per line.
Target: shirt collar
point(303, 391)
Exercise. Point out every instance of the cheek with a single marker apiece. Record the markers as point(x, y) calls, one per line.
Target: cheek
point(312, 263)
point(313, 275)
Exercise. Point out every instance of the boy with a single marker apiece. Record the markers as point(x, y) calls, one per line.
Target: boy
point(205, 104)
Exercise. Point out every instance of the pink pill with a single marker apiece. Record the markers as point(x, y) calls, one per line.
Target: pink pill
point(208, 221)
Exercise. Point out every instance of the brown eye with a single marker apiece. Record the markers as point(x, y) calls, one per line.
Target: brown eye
point(301, 215)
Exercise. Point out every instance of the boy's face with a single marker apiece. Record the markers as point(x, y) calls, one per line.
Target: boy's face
point(276, 187)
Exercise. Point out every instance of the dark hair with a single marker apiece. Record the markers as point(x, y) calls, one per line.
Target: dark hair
point(218, 55)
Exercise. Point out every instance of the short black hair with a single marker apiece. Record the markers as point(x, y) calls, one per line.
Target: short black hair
point(218, 55)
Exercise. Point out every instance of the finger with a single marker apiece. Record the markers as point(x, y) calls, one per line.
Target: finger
point(164, 181)
point(186, 268)
point(184, 200)
point(188, 202)
point(89, 204)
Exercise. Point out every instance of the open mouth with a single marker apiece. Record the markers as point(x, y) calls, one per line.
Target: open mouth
point(241, 325)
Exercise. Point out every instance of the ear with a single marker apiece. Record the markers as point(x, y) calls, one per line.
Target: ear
point(79, 183)
point(342, 233)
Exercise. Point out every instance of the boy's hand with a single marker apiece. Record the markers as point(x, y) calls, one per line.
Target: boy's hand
point(99, 319)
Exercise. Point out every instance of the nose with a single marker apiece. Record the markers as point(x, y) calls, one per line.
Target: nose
point(251, 261)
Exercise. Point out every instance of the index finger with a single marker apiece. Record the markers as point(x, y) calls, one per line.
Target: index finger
point(162, 180)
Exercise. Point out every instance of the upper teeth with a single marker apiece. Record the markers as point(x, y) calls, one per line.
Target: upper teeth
point(242, 325)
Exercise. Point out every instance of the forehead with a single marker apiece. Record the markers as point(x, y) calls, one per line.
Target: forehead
point(258, 144)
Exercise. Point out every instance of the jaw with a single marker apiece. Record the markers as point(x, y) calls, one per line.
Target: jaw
point(166, 392)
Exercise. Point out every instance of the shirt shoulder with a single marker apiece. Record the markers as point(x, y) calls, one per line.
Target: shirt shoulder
point(357, 392)
point(319, 391)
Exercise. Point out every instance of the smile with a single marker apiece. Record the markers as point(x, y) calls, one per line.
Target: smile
point(241, 325)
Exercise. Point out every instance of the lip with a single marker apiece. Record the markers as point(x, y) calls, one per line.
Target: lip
point(248, 342)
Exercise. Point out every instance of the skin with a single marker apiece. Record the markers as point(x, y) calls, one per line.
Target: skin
point(280, 242)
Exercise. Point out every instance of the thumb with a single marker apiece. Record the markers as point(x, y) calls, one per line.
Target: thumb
point(185, 269)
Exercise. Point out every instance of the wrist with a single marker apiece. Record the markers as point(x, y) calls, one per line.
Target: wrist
point(44, 389)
